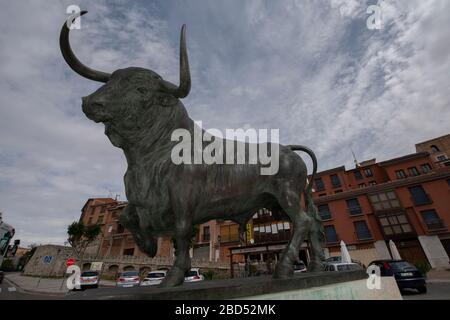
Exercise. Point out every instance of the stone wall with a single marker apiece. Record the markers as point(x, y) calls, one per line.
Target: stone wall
point(41, 265)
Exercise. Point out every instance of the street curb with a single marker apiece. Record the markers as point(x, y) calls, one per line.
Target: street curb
point(438, 280)
point(35, 291)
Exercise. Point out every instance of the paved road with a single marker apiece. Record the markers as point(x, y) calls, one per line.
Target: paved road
point(9, 291)
point(436, 291)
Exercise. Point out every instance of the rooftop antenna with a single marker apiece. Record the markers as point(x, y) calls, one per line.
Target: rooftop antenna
point(117, 196)
point(357, 165)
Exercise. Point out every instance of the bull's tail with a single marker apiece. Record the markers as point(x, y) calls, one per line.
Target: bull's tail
point(309, 204)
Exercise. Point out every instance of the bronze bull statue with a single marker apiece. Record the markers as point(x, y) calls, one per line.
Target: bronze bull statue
point(140, 111)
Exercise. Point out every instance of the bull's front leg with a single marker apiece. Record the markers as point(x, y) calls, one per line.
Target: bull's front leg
point(182, 264)
point(145, 240)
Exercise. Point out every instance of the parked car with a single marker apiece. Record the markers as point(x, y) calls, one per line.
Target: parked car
point(154, 278)
point(339, 266)
point(2, 275)
point(89, 279)
point(193, 276)
point(300, 267)
point(406, 275)
point(337, 259)
point(128, 279)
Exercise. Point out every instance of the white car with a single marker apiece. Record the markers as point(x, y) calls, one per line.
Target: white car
point(128, 279)
point(194, 276)
point(154, 278)
point(339, 266)
point(89, 279)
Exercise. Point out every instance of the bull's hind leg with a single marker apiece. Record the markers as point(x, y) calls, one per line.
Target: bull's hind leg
point(290, 202)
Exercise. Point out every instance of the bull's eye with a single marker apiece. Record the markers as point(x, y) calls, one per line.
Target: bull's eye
point(142, 90)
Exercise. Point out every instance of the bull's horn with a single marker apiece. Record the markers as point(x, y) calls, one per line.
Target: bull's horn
point(70, 58)
point(185, 75)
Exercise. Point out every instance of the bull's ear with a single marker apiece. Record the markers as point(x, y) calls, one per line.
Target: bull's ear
point(164, 100)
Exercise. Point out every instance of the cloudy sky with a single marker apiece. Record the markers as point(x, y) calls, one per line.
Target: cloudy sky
point(310, 68)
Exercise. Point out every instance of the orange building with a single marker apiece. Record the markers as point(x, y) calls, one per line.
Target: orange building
point(114, 239)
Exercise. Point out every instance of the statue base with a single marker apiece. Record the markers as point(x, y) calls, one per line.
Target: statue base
point(350, 285)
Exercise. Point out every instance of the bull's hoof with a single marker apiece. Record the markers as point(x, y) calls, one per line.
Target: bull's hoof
point(315, 266)
point(175, 277)
point(283, 271)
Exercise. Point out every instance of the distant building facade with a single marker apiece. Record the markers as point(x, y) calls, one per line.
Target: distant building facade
point(114, 239)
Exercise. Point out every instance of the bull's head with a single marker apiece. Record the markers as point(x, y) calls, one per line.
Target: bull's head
point(126, 91)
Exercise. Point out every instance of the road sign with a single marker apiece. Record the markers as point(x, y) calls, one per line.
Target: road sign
point(96, 266)
point(70, 262)
point(47, 259)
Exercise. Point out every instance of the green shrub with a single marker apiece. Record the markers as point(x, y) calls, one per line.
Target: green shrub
point(423, 266)
point(7, 265)
point(209, 275)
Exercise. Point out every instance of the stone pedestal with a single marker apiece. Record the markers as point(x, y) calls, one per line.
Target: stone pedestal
point(323, 285)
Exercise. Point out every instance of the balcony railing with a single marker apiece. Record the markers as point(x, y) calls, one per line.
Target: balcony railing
point(333, 239)
point(354, 211)
point(436, 225)
point(421, 202)
point(325, 215)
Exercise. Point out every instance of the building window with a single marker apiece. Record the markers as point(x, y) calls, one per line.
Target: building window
point(413, 171)
point(400, 174)
point(353, 206)
point(90, 221)
point(426, 168)
point(368, 172)
point(206, 234)
point(324, 211)
point(384, 201)
point(419, 196)
point(448, 182)
point(362, 230)
point(330, 234)
point(335, 181)
point(441, 158)
point(92, 210)
point(229, 233)
point(319, 184)
point(434, 148)
point(100, 220)
point(128, 252)
point(102, 209)
point(372, 183)
point(431, 219)
point(358, 175)
point(394, 224)
point(362, 185)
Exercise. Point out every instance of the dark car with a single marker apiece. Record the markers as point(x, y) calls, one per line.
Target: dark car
point(406, 275)
point(2, 275)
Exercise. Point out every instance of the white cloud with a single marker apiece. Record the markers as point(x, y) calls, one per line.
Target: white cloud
point(310, 68)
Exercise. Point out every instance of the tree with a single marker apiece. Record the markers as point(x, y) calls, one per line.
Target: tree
point(80, 236)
